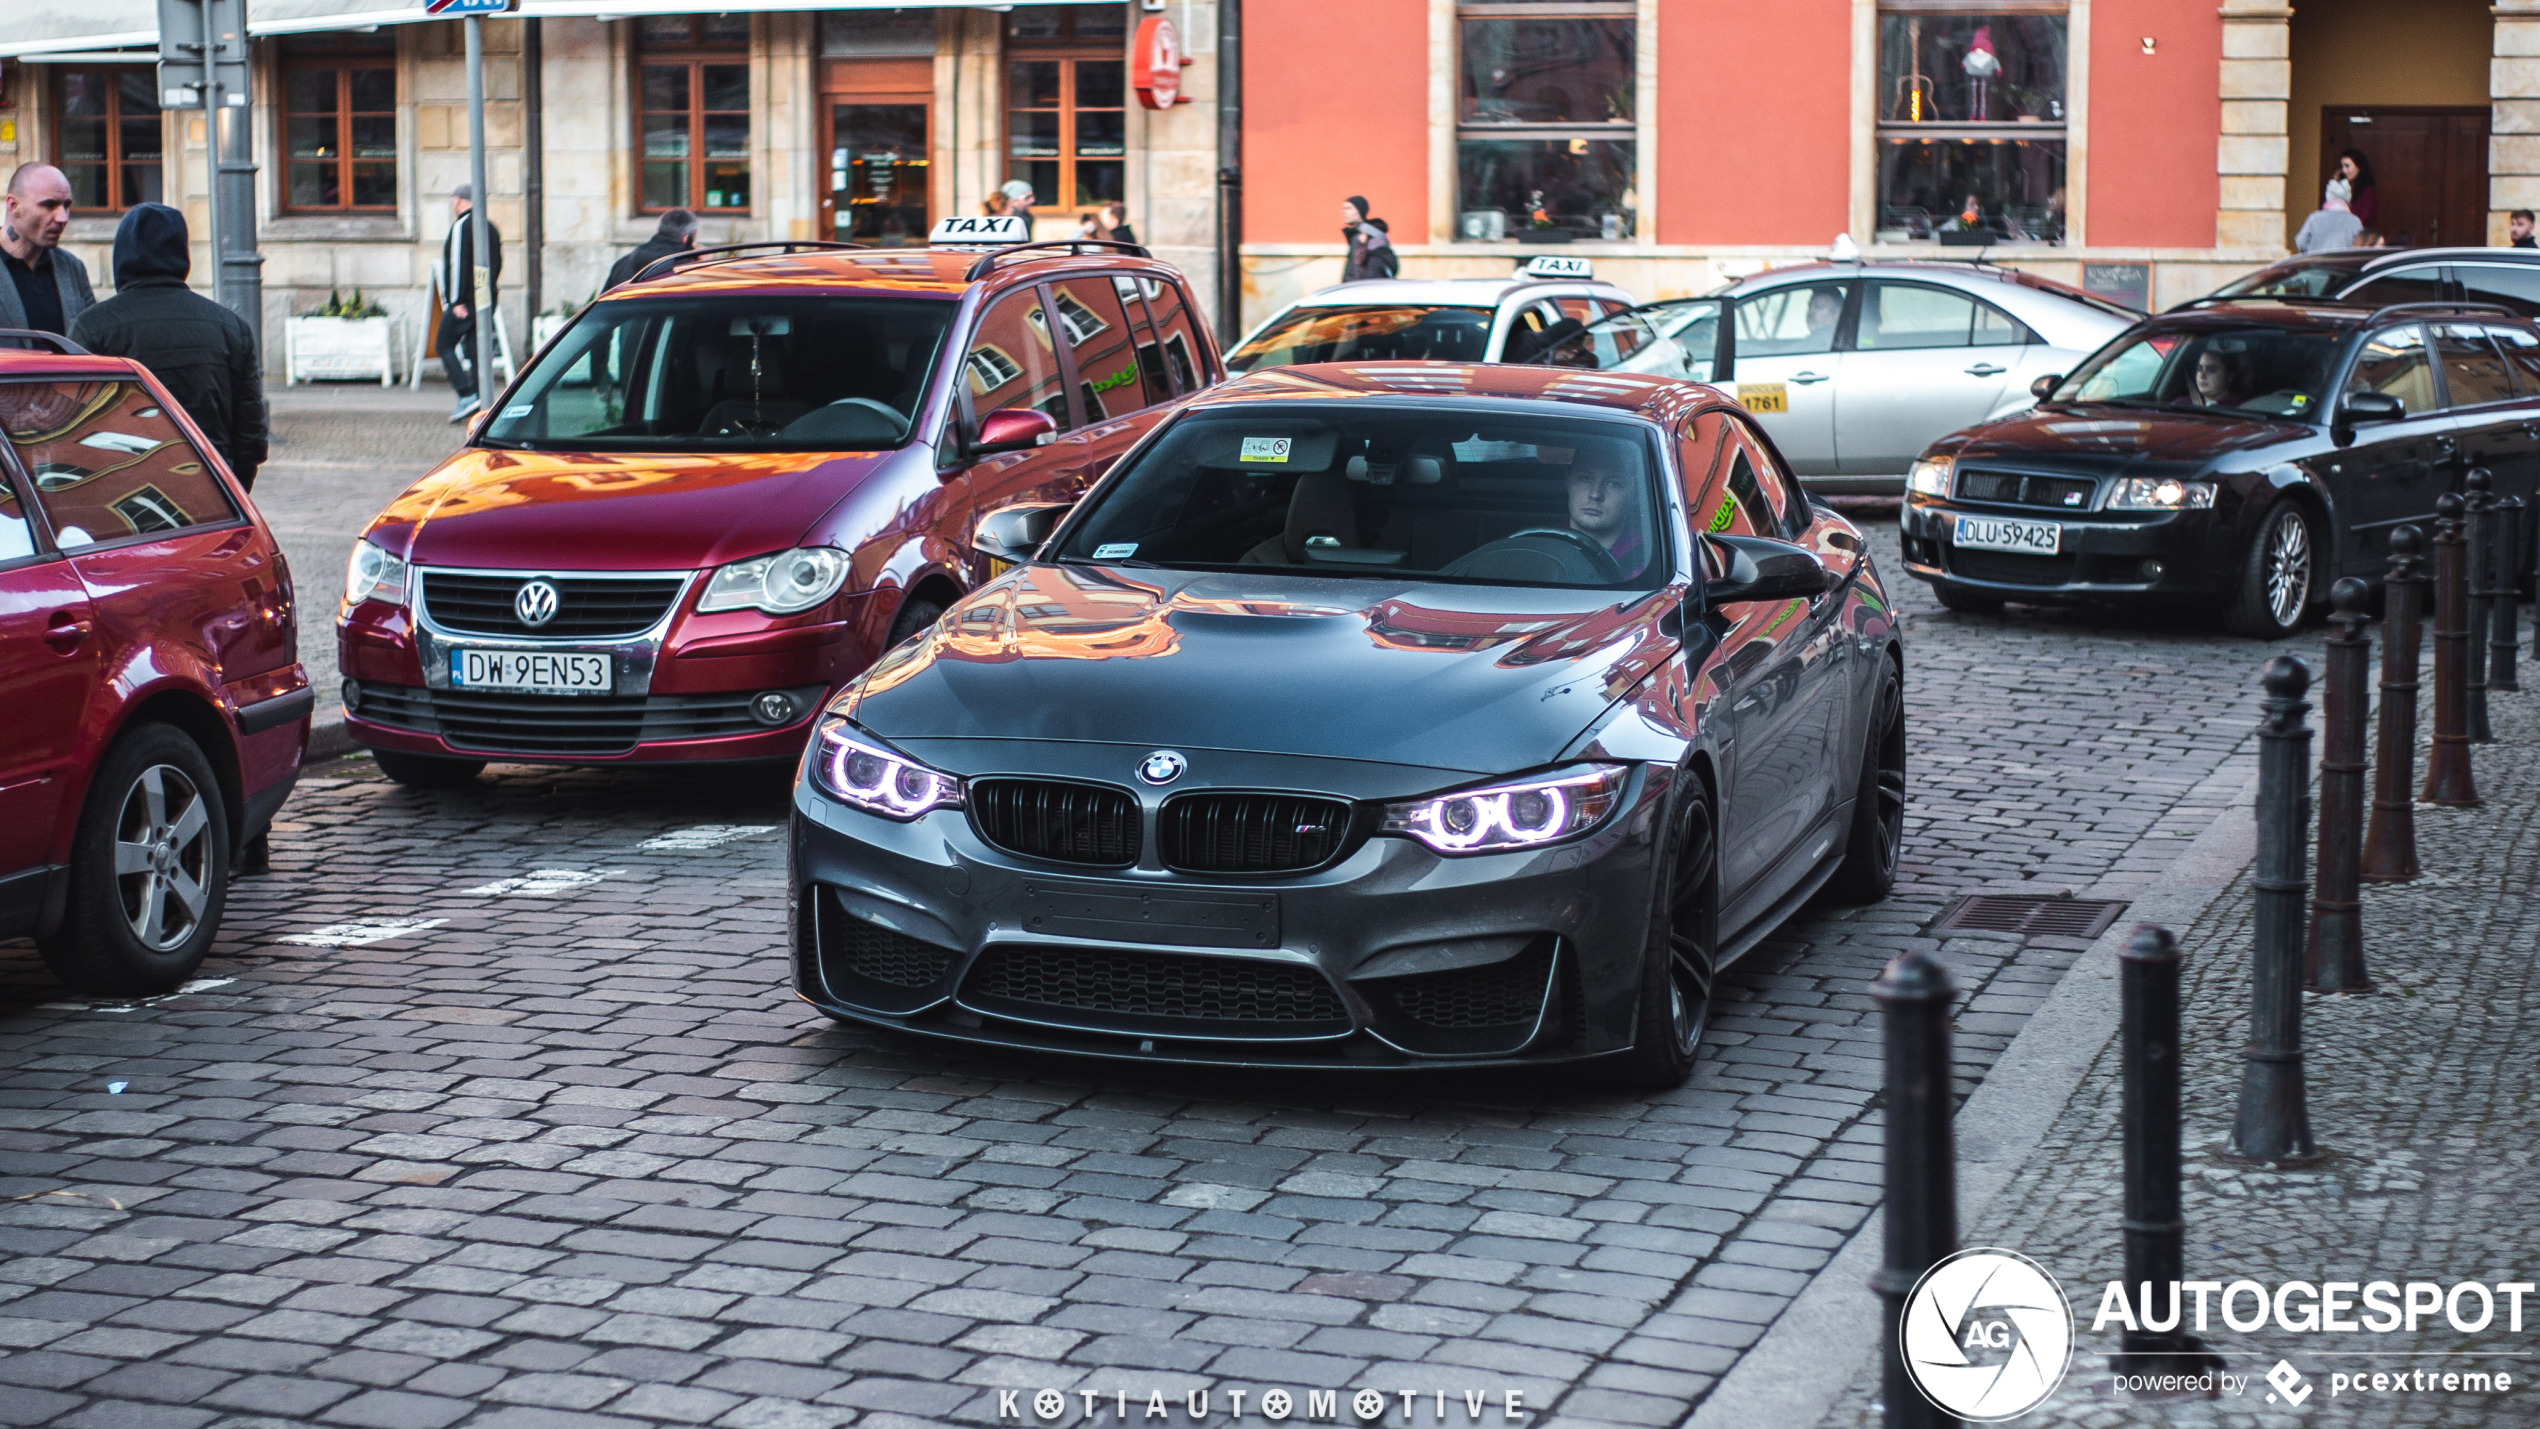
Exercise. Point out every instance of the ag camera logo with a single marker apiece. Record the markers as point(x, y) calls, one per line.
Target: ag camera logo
point(1987, 1334)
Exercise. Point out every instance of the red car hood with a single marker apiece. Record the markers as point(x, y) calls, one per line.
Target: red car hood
point(564, 511)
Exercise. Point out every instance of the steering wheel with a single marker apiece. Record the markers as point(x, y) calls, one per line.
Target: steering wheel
point(1608, 569)
point(1573, 546)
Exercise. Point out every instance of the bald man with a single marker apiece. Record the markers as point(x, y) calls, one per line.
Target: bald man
point(48, 287)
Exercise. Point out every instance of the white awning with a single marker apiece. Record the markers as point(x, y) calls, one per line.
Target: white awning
point(35, 28)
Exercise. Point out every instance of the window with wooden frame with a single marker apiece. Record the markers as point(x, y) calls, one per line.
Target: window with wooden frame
point(1066, 110)
point(1546, 144)
point(692, 97)
point(106, 136)
point(339, 123)
point(1971, 124)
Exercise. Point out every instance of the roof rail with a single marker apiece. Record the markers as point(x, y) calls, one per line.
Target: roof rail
point(2216, 300)
point(988, 261)
point(61, 344)
point(2483, 309)
point(672, 262)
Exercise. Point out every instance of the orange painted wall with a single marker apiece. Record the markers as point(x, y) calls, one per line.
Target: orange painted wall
point(1336, 102)
point(2153, 121)
point(1754, 117)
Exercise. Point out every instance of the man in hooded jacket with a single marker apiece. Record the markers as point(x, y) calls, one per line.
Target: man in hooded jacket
point(204, 354)
point(1371, 252)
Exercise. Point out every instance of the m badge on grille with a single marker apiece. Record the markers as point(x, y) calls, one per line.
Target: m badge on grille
point(536, 603)
point(1163, 767)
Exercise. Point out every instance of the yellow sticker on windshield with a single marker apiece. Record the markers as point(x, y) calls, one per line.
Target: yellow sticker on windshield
point(1763, 396)
point(1266, 449)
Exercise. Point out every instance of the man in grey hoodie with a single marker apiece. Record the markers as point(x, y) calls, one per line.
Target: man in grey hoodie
point(2333, 226)
point(1371, 252)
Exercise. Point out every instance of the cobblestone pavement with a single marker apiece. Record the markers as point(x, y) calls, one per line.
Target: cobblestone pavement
point(2420, 1094)
point(492, 1109)
point(341, 451)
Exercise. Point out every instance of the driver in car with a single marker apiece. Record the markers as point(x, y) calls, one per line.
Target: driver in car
point(1605, 506)
point(2217, 381)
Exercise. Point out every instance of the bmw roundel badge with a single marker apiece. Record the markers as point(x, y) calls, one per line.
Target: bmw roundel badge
point(536, 603)
point(1163, 767)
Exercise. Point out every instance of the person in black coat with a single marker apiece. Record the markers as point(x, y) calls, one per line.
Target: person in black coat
point(676, 234)
point(204, 354)
point(458, 290)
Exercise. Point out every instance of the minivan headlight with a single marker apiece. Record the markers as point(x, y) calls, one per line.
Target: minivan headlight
point(1521, 813)
point(1930, 477)
point(786, 583)
point(374, 574)
point(2160, 493)
point(858, 770)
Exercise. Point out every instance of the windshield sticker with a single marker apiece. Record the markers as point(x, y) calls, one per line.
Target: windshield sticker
point(1264, 449)
point(1723, 518)
point(1478, 450)
point(513, 414)
point(1117, 550)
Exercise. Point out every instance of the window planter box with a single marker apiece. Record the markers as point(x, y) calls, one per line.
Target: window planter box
point(337, 349)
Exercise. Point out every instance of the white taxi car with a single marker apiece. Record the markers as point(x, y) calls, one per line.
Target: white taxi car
point(1512, 319)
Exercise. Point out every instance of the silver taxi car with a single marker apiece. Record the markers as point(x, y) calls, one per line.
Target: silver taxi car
point(1512, 319)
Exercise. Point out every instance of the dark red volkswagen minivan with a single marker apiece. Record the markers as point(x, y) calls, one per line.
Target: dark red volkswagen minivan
point(156, 710)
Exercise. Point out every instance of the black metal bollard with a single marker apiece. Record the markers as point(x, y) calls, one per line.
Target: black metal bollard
point(2274, 1122)
point(2504, 620)
point(1922, 1163)
point(2478, 558)
point(2155, 1229)
point(2333, 960)
point(2390, 845)
point(2447, 771)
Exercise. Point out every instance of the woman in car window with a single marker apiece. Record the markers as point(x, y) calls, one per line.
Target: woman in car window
point(1606, 498)
point(2218, 381)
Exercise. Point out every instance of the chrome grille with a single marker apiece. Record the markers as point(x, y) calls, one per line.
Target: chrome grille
point(1251, 833)
point(1067, 823)
point(587, 607)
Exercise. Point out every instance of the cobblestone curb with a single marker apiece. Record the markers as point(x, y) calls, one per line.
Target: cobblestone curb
point(1796, 1372)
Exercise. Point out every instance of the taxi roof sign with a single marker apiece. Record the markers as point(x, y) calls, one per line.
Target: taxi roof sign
point(1548, 265)
point(982, 228)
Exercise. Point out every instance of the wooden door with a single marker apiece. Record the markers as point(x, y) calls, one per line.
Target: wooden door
point(2429, 167)
point(877, 141)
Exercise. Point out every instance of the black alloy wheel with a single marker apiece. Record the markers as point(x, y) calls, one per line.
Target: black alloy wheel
point(149, 870)
point(1682, 953)
point(427, 771)
point(1877, 839)
point(2277, 575)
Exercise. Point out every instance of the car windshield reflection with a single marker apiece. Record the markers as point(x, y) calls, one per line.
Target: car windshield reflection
point(729, 373)
point(1393, 333)
point(1327, 491)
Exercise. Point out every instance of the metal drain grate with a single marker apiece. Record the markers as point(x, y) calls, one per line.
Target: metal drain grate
point(2031, 916)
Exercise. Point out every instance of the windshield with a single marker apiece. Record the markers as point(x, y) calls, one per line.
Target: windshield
point(2316, 281)
point(2259, 371)
point(729, 373)
point(1678, 341)
point(1299, 489)
point(1385, 334)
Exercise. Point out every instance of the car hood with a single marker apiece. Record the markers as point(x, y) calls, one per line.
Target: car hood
point(1467, 678)
point(576, 511)
point(2117, 441)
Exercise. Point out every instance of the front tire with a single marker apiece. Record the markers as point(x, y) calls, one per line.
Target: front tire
point(1877, 839)
point(1681, 956)
point(427, 771)
point(915, 616)
point(149, 870)
point(2277, 575)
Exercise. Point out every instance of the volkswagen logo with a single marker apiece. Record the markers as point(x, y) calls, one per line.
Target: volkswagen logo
point(536, 603)
point(1162, 767)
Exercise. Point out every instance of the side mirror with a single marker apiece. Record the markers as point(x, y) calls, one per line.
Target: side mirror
point(1760, 568)
point(2044, 387)
point(1014, 533)
point(2361, 408)
point(1012, 429)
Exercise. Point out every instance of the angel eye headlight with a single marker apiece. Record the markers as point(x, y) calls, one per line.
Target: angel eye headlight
point(1521, 813)
point(858, 771)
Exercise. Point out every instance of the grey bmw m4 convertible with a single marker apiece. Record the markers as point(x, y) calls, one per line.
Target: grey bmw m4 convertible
point(1371, 715)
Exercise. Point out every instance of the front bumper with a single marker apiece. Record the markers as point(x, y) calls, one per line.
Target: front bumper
point(1393, 956)
point(2114, 556)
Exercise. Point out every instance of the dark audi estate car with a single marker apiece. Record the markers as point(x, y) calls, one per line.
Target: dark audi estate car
point(2243, 454)
point(1367, 715)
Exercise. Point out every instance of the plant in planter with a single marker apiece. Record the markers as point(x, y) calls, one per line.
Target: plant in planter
point(344, 338)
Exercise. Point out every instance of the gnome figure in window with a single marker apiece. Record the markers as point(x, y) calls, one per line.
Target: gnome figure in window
point(1981, 65)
